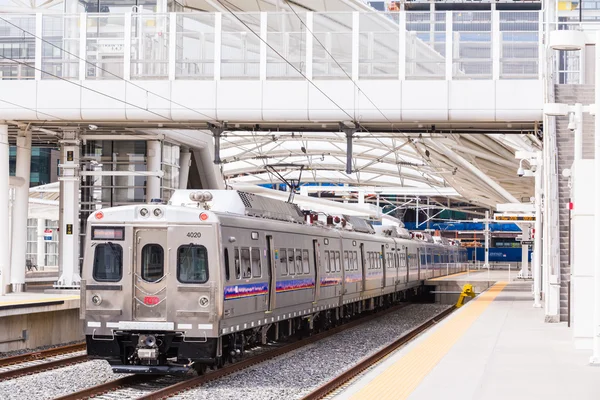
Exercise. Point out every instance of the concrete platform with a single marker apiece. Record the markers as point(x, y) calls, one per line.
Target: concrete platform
point(481, 279)
point(496, 347)
point(29, 320)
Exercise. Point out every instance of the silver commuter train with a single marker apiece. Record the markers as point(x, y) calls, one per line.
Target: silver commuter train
point(194, 282)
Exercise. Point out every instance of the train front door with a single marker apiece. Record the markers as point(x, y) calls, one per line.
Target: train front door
point(149, 275)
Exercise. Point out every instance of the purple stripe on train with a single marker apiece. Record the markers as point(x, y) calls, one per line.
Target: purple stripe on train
point(295, 284)
point(246, 290)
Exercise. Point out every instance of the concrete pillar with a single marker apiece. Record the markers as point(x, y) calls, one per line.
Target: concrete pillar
point(4, 226)
point(41, 244)
point(595, 358)
point(185, 160)
point(20, 211)
point(524, 261)
point(69, 222)
point(486, 263)
point(153, 164)
point(537, 238)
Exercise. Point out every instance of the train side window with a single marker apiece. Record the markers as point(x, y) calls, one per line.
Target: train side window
point(338, 263)
point(153, 262)
point(108, 262)
point(246, 266)
point(305, 262)
point(346, 261)
point(327, 269)
point(291, 261)
point(298, 261)
point(192, 264)
point(380, 260)
point(226, 257)
point(355, 261)
point(256, 267)
point(283, 261)
point(236, 263)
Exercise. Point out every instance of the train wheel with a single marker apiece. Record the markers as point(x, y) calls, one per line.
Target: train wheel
point(200, 368)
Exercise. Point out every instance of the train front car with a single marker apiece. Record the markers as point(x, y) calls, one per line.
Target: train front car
point(149, 290)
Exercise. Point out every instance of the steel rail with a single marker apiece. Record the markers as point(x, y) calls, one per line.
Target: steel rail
point(369, 361)
point(107, 387)
point(37, 368)
point(227, 370)
point(40, 355)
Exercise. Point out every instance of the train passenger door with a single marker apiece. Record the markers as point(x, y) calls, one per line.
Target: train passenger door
point(384, 265)
point(317, 262)
point(362, 285)
point(272, 274)
point(149, 278)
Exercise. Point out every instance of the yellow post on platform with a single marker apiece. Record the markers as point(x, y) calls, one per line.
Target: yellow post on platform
point(467, 291)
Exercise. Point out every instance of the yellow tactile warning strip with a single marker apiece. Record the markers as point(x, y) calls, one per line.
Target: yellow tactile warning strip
point(399, 380)
point(449, 277)
point(42, 300)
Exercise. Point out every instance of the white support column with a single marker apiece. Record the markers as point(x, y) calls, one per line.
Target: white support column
point(355, 44)
point(537, 238)
point(309, 46)
point(20, 211)
point(402, 45)
point(127, 46)
point(153, 164)
point(449, 46)
point(541, 48)
point(524, 273)
point(185, 160)
point(83, 45)
point(217, 49)
point(595, 359)
point(578, 138)
point(172, 45)
point(38, 46)
point(496, 44)
point(263, 46)
point(4, 224)
point(69, 223)
point(41, 243)
point(486, 263)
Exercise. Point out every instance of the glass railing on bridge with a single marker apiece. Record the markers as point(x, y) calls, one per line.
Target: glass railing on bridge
point(272, 46)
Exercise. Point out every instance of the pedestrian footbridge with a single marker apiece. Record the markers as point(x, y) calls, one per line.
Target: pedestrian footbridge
point(276, 69)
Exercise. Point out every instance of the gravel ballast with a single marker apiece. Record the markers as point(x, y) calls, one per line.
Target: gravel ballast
point(57, 382)
point(296, 374)
point(287, 377)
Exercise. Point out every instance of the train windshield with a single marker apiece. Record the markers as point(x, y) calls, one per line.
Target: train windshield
point(192, 264)
point(108, 262)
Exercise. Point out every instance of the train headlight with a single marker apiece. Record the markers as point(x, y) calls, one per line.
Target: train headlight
point(144, 212)
point(157, 212)
point(96, 299)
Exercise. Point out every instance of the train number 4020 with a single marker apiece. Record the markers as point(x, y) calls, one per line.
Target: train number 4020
point(194, 234)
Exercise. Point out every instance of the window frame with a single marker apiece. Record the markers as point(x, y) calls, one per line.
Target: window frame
point(305, 262)
point(346, 261)
point(283, 261)
point(143, 264)
point(195, 282)
point(237, 263)
point(253, 252)
point(327, 261)
point(298, 261)
point(245, 269)
point(227, 267)
point(292, 264)
point(94, 270)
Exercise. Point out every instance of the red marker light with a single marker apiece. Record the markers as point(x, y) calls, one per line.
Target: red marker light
point(203, 216)
point(151, 300)
point(99, 215)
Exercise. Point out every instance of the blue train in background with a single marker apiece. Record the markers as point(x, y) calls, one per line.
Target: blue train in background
point(497, 254)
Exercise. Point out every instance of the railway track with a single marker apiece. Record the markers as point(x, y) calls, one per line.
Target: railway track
point(342, 379)
point(38, 361)
point(122, 384)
